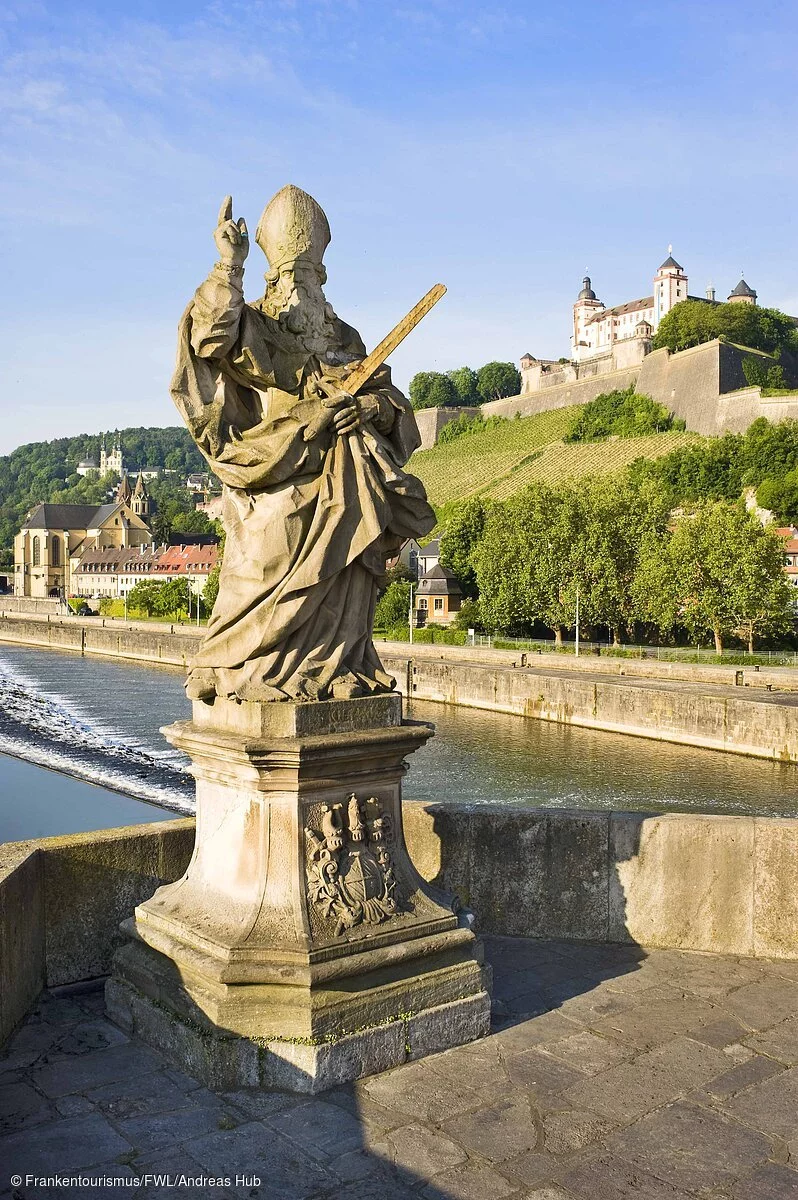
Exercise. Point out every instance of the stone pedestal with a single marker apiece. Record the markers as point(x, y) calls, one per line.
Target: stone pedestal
point(301, 949)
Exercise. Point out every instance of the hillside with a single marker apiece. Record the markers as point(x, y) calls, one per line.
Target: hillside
point(503, 460)
point(45, 470)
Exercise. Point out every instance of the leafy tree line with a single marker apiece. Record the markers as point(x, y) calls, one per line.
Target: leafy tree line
point(715, 571)
point(764, 458)
point(170, 599)
point(45, 471)
point(464, 387)
point(695, 321)
point(620, 413)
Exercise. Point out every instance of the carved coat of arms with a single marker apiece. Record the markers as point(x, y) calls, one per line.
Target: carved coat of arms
point(349, 864)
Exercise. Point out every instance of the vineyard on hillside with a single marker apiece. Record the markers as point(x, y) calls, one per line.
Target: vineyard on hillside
point(473, 462)
point(559, 461)
point(499, 462)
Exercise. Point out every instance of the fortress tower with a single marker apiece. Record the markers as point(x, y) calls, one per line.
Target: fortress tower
point(670, 286)
point(586, 308)
point(742, 294)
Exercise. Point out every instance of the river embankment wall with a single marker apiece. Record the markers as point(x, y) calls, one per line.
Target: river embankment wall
point(170, 645)
point(695, 714)
point(717, 884)
point(751, 712)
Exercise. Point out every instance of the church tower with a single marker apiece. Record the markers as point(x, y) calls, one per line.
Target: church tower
point(124, 492)
point(670, 287)
point(112, 461)
point(141, 502)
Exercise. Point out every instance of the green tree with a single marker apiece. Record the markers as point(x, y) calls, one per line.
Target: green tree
point(460, 539)
point(718, 572)
point(780, 496)
point(465, 382)
point(498, 379)
point(393, 606)
point(525, 562)
point(613, 517)
point(146, 596)
point(693, 321)
point(211, 589)
point(432, 389)
point(174, 598)
point(469, 616)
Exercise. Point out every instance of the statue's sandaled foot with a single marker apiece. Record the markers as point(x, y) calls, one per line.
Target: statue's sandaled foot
point(346, 688)
point(201, 684)
point(259, 692)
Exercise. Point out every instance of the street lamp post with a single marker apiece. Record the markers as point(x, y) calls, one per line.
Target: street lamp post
point(576, 648)
point(410, 615)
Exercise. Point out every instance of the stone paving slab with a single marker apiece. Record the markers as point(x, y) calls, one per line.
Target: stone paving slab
point(612, 1074)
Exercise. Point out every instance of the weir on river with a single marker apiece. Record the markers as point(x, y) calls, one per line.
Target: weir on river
point(100, 719)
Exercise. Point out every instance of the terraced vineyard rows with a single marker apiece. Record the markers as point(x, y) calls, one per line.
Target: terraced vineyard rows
point(559, 461)
point(504, 460)
point(470, 464)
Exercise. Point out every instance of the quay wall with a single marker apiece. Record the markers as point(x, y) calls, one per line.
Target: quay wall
point(717, 884)
point(684, 713)
point(683, 702)
point(158, 644)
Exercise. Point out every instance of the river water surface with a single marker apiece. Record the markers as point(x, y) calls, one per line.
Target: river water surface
point(99, 719)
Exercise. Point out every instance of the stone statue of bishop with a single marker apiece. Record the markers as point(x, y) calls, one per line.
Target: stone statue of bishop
point(315, 495)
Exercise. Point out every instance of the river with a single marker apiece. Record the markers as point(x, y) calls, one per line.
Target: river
point(98, 720)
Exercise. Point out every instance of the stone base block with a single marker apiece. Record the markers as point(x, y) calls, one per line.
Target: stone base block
point(227, 1062)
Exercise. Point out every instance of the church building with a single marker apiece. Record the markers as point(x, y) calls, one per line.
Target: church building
point(54, 538)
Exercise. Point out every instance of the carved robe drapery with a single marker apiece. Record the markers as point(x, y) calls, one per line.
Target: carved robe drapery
point(308, 524)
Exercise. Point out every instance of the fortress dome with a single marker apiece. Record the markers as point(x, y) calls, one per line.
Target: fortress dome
point(587, 292)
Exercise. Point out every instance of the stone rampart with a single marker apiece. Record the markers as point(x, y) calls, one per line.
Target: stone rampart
point(704, 385)
point(562, 395)
point(431, 421)
point(29, 604)
point(725, 885)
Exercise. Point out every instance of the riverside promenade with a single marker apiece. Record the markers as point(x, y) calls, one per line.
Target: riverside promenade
point(612, 1073)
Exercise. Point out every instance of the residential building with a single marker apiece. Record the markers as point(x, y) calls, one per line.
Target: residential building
point(110, 572)
point(406, 556)
point(193, 562)
point(438, 597)
point(790, 535)
point(429, 556)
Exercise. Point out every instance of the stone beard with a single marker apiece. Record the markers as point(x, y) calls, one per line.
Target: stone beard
point(314, 499)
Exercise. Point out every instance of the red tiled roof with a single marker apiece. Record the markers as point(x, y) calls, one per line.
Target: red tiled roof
point(188, 560)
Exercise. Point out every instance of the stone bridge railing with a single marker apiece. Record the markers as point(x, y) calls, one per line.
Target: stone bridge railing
point(718, 884)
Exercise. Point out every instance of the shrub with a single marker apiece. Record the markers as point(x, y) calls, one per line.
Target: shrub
point(623, 413)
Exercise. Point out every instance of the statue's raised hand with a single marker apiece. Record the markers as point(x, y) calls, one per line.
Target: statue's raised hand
point(231, 237)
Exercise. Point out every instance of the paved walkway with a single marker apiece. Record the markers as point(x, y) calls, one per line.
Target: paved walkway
point(612, 1074)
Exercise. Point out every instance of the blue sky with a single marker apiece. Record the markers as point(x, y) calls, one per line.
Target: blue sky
point(503, 149)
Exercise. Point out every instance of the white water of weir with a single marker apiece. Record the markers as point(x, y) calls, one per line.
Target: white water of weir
point(50, 729)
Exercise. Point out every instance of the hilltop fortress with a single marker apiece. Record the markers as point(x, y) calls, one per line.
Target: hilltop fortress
point(612, 348)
